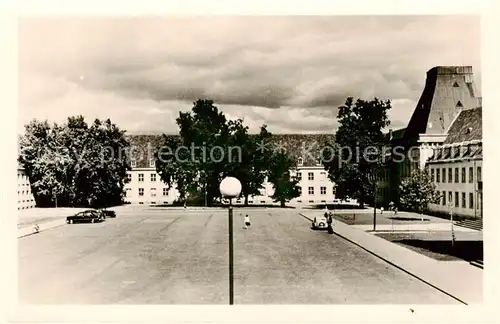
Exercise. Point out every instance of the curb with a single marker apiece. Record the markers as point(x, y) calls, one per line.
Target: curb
point(393, 264)
point(38, 228)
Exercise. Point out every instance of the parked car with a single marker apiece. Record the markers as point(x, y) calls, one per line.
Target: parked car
point(320, 222)
point(88, 216)
point(107, 213)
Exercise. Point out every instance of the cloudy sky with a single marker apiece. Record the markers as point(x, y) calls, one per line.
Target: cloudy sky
point(290, 73)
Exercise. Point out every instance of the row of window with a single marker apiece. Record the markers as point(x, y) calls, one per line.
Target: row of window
point(23, 192)
point(25, 201)
point(322, 190)
point(300, 162)
point(152, 178)
point(152, 192)
point(460, 199)
point(152, 164)
point(310, 176)
point(439, 175)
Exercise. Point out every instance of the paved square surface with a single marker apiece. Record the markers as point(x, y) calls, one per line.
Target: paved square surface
point(162, 256)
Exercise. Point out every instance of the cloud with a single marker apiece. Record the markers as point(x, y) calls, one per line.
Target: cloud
point(288, 72)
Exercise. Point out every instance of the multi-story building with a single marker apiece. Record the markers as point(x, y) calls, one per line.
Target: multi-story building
point(25, 197)
point(146, 187)
point(448, 91)
point(456, 166)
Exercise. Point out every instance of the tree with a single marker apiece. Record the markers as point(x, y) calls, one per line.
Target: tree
point(417, 191)
point(279, 174)
point(74, 164)
point(210, 148)
point(359, 143)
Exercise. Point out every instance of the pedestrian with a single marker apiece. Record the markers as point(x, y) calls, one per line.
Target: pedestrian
point(395, 210)
point(247, 221)
point(381, 210)
point(329, 221)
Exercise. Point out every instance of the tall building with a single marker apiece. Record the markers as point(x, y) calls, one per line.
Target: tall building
point(146, 187)
point(449, 91)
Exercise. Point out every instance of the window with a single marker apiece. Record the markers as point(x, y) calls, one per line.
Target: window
point(450, 175)
point(463, 200)
point(323, 190)
point(323, 175)
point(300, 162)
point(141, 177)
point(432, 175)
point(153, 192)
point(133, 164)
point(444, 198)
point(129, 177)
point(141, 191)
point(471, 200)
point(152, 163)
point(456, 175)
point(333, 191)
point(165, 191)
point(444, 175)
point(463, 175)
point(299, 176)
point(450, 198)
point(310, 175)
point(479, 174)
point(471, 174)
point(153, 177)
point(438, 175)
point(300, 191)
point(456, 199)
point(311, 190)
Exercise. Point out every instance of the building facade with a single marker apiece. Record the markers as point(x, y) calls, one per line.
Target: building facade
point(25, 198)
point(146, 187)
point(456, 166)
point(448, 91)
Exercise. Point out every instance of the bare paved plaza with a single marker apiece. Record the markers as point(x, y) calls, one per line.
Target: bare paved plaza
point(169, 256)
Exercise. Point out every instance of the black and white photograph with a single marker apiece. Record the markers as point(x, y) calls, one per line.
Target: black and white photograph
point(250, 160)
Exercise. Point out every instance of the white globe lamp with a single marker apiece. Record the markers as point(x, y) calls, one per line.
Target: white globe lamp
point(230, 187)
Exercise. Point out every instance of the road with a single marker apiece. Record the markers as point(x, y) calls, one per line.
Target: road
point(158, 256)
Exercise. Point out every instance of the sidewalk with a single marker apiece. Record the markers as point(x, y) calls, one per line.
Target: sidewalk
point(456, 278)
point(427, 227)
point(45, 218)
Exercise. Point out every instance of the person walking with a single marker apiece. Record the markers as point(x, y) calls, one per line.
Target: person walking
point(247, 221)
point(329, 221)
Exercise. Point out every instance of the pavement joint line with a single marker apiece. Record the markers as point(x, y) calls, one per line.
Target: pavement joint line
point(393, 264)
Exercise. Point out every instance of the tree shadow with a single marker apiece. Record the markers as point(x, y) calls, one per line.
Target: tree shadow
point(465, 250)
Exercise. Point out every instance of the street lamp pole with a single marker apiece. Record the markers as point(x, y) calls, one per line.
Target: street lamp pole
point(230, 188)
point(375, 204)
point(231, 277)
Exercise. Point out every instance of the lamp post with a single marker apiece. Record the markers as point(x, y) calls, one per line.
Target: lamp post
point(450, 205)
point(230, 187)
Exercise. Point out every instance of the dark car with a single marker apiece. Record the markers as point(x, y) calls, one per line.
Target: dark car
point(88, 216)
point(109, 213)
point(106, 213)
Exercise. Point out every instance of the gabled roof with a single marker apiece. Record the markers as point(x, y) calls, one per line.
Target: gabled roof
point(307, 146)
point(466, 127)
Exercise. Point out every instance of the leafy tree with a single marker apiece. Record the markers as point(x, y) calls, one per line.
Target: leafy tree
point(417, 191)
point(279, 174)
point(359, 143)
point(210, 148)
point(74, 164)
